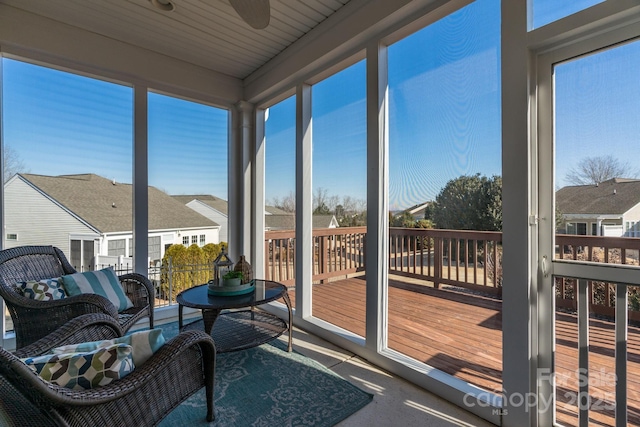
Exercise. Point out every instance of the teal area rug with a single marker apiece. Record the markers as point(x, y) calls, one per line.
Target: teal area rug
point(267, 386)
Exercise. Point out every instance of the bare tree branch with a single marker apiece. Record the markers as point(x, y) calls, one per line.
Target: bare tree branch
point(594, 170)
point(12, 163)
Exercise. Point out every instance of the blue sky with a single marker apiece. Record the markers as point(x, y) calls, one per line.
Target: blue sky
point(60, 123)
point(444, 111)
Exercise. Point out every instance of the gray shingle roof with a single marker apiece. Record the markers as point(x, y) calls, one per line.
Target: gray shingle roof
point(276, 211)
point(213, 201)
point(219, 204)
point(612, 197)
point(108, 206)
point(288, 221)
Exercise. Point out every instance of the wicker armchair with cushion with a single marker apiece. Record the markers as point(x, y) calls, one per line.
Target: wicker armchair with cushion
point(178, 369)
point(34, 319)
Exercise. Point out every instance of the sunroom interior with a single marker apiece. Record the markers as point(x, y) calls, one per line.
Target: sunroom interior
point(360, 110)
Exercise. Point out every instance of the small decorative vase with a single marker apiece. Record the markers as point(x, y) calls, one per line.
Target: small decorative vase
point(236, 281)
point(245, 268)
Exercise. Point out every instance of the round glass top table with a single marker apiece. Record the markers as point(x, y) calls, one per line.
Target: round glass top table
point(236, 329)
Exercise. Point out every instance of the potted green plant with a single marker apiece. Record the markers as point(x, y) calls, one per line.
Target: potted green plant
point(232, 278)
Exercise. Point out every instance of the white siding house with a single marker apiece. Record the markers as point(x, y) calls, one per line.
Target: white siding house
point(90, 219)
point(214, 215)
point(610, 208)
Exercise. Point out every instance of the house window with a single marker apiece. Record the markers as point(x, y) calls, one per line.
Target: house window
point(12, 237)
point(194, 240)
point(577, 228)
point(82, 253)
point(594, 228)
point(203, 239)
point(117, 247)
point(154, 245)
point(185, 240)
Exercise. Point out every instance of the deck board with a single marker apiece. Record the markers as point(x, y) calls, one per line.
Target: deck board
point(461, 334)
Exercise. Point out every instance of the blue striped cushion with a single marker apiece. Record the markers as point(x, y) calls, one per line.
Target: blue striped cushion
point(102, 282)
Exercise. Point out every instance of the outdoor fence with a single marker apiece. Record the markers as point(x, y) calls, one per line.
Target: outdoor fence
point(456, 258)
point(601, 295)
point(470, 260)
point(169, 279)
point(337, 252)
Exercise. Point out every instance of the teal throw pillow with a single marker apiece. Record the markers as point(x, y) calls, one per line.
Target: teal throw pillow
point(143, 344)
point(103, 282)
point(83, 371)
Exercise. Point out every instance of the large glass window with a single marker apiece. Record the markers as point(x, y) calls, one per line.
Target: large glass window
point(188, 158)
point(67, 156)
point(547, 11)
point(117, 247)
point(280, 191)
point(445, 266)
point(596, 102)
point(339, 198)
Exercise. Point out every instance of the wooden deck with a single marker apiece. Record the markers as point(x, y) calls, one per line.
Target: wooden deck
point(461, 334)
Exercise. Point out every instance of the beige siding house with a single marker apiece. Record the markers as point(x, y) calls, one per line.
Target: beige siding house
point(217, 210)
point(90, 218)
point(610, 208)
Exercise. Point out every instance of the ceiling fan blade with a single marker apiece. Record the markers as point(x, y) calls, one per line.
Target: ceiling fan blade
point(256, 13)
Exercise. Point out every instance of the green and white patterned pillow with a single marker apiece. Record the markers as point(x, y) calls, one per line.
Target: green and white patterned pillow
point(143, 344)
point(42, 290)
point(82, 371)
point(103, 282)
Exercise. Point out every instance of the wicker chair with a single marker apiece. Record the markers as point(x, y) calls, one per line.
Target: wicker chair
point(181, 367)
point(33, 319)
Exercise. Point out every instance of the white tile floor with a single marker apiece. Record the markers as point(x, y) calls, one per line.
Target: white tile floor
point(396, 402)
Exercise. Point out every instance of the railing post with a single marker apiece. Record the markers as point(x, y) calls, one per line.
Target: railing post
point(437, 261)
point(267, 271)
point(170, 276)
point(322, 247)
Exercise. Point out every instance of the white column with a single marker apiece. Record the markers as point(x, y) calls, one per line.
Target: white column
point(257, 227)
point(140, 181)
point(304, 201)
point(239, 176)
point(377, 249)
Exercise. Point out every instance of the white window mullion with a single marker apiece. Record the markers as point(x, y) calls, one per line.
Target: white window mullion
point(518, 238)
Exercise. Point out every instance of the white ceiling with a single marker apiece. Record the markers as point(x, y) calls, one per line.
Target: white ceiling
point(208, 33)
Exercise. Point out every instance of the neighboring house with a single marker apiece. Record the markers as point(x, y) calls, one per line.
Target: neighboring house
point(611, 208)
point(287, 221)
point(417, 211)
point(217, 210)
point(90, 218)
point(214, 208)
